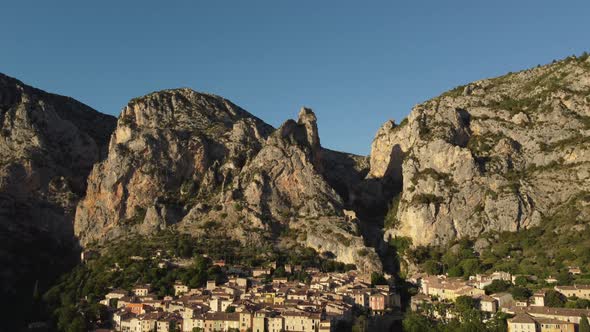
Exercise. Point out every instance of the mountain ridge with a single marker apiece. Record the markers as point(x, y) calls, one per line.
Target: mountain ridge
point(48, 145)
point(479, 157)
point(222, 165)
point(503, 154)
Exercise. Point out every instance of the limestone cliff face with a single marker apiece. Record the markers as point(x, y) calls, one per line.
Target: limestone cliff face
point(288, 182)
point(284, 180)
point(497, 154)
point(48, 145)
point(170, 149)
point(501, 154)
point(193, 161)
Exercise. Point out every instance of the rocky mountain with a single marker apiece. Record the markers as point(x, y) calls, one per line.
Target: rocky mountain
point(500, 154)
point(194, 161)
point(48, 145)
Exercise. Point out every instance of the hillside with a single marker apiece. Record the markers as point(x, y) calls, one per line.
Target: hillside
point(48, 145)
point(501, 154)
point(493, 174)
point(189, 161)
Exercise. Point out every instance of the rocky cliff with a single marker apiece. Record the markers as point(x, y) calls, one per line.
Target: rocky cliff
point(170, 151)
point(499, 154)
point(494, 155)
point(48, 145)
point(195, 161)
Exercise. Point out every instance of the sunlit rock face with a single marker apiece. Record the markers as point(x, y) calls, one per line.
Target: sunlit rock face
point(499, 154)
point(190, 161)
point(48, 146)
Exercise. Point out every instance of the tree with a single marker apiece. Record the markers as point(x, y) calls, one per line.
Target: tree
point(498, 323)
point(584, 325)
point(360, 324)
point(578, 303)
point(198, 279)
point(280, 272)
point(521, 281)
point(456, 271)
point(100, 312)
point(464, 304)
point(378, 279)
point(77, 325)
point(432, 267)
point(184, 248)
point(201, 263)
point(497, 286)
point(471, 320)
point(564, 278)
point(470, 266)
point(414, 322)
point(215, 273)
point(520, 293)
point(554, 299)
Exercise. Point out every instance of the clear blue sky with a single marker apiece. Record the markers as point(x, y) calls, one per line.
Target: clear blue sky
point(356, 63)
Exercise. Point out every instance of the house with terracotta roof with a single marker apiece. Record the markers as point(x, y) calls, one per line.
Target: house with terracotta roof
point(116, 294)
point(447, 288)
point(275, 323)
point(361, 297)
point(261, 271)
point(524, 322)
point(482, 280)
point(551, 280)
point(486, 303)
point(554, 325)
point(121, 315)
point(580, 291)
point(141, 290)
point(195, 322)
point(379, 302)
point(563, 314)
point(325, 326)
point(168, 322)
point(419, 300)
point(138, 308)
point(211, 284)
point(301, 321)
point(504, 300)
point(180, 288)
point(538, 298)
point(298, 294)
point(221, 321)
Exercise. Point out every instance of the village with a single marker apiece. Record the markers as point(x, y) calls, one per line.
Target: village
point(252, 303)
point(438, 293)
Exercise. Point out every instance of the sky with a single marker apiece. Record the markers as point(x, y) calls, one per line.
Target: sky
point(357, 64)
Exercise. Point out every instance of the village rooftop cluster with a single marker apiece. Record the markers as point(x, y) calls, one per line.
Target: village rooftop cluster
point(438, 293)
point(252, 304)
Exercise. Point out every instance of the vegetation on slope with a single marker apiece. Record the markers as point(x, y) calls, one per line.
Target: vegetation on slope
point(560, 241)
point(467, 318)
point(72, 303)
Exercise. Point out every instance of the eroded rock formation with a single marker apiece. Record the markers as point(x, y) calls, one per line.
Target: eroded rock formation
point(495, 155)
point(186, 160)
